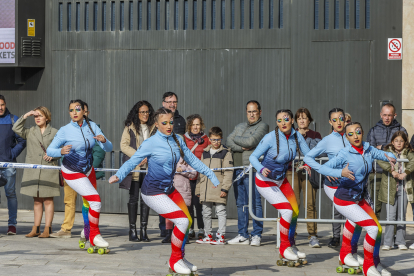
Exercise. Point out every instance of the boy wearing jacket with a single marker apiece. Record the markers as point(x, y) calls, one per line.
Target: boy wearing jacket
point(215, 156)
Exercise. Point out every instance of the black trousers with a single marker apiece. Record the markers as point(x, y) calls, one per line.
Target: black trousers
point(134, 193)
point(195, 202)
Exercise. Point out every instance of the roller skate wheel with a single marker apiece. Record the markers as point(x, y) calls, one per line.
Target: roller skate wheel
point(91, 250)
point(304, 261)
point(101, 251)
point(291, 264)
point(81, 245)
point(279, 262)
point(339, 269)
point(351, 271)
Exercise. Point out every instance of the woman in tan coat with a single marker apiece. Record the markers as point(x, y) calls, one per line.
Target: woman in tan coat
point(138, 126)
point(42, 185)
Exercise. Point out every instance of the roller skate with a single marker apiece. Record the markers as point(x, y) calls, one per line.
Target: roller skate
point(351, 265)
point(382, 270)
point(301, 255)
point(181, 269)
point(372, 271)
point(289, 258)
point(358, 258)
point(82, 240)
point(100, 246)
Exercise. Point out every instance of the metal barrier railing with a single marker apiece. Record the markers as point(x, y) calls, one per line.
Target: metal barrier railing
point(319, 219)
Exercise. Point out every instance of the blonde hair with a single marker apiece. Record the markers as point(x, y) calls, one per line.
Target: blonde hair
point(347, 115)
point(45, 112)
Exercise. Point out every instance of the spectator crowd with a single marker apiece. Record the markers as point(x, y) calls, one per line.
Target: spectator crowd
point(43, 185)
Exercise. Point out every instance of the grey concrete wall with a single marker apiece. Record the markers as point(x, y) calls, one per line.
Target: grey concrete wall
point(277, 58)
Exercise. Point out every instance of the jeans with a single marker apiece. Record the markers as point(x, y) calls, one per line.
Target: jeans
point(10, 189)
point(195, 203)
point(221, 215)
point(241, 192)
point(396, 215)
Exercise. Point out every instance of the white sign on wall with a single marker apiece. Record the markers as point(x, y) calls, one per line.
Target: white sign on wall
point(394, 48)
point(7, 30)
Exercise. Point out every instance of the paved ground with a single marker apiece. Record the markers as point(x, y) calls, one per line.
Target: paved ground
point(22, 256)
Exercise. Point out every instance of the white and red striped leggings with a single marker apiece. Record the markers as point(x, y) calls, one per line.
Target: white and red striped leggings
point(281, 196)
point(363, 215)
point(351, 232)
point(172, 207)
point(85, 186)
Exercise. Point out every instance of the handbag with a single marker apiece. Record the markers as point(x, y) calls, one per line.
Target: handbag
point(61, 179)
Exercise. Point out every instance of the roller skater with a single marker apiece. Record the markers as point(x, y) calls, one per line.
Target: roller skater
point(279, 148)
point(78, 138)
point(163, 151)
point(351, 199)
point(331, 145)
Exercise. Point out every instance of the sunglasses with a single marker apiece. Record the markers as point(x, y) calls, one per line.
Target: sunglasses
point(165, 123)
point(76, 109)
point(215, 140)
point(286, 119)
point(357, 131)
point(336, 119)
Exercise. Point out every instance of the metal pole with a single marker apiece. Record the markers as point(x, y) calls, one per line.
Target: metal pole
point(306, 197)
point(375, 184)
point(320, 192)
point(388, 205)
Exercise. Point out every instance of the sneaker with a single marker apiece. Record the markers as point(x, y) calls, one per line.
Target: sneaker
point(386, 248)
point(412, 246)
point(402, 247)
point(334, 242)
point(200, 233)
point(314, 242)
point(219, 239)
point(191, 234)
point(61, 234)
point(163, 233)
point(255, 241)
point(11, 230)
point(207, 239)
point(239, 240)
point(382, 270)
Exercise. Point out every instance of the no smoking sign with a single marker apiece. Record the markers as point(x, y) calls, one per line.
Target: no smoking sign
point(394, 48)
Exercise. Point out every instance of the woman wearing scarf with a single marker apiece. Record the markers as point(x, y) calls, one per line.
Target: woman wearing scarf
point(196, 141)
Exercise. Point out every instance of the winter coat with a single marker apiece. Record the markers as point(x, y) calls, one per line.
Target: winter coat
point(179, 123)
point(38, 183)
point(221, 159)
point(80, 158)
point(409, 169)
point(130, 142)
point(11, 144)
point(182, 181)
point(199, 149)
point(359, 164)
point(380, 135)
point(246, 135)
point(163, 154)
point(98, 157)
point(287, 152)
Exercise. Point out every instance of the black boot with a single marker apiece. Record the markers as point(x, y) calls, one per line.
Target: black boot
point(168, 237)
point(144, 221)
point(132, 215)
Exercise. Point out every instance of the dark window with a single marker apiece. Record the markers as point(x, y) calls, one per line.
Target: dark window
point(281, 14)
point(131, 15)
point(77, 16)
point(139, 15)
point(176, 10)
point(86, 16)
point(103, 16)
point(95, 16)
point(251, 14)
point(69, 17)
point(204, 12)
point(242, 14)
point(167, 14)
point(148, 15)
point(223, 14)
point(122, 16)
point(261, 8)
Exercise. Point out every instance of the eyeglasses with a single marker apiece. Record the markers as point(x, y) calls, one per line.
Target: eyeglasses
point(357, 131)
point(286, 119)
point(36, 116)
point(171, 102)
point(165, 123)
point(215, 140)
point(76, 109)
point(336, 119)
point(144, 112)
point(253, 112)
point(348, 121)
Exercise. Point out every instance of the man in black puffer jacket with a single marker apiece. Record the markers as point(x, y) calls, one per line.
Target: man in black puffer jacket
point(380, 136)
